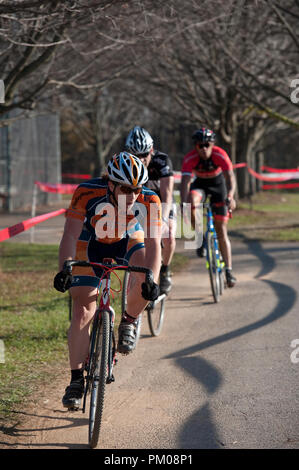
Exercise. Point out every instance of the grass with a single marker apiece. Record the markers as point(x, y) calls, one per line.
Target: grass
point(34, 321)
point(268, 216)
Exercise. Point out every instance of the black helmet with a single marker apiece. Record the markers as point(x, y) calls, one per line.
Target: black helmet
point(203, 135)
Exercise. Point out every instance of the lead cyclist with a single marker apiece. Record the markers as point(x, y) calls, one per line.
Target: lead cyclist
point(101, 222)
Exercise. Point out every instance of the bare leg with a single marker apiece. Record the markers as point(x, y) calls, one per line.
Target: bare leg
point(135, 302)
point(84, 306)
point(169, 243)
point(224, 242)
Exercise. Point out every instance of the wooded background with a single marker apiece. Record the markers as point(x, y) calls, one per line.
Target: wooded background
point(172, 66)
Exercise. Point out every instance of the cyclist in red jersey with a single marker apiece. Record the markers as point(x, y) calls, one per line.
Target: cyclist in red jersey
point(214, 176)
point(110, 217)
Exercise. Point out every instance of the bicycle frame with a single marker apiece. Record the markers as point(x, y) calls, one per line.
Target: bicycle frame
point(214, 262)
point(211, 229)
point(104, 304)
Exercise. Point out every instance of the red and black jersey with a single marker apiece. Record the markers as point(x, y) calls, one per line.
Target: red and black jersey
point(207, 169)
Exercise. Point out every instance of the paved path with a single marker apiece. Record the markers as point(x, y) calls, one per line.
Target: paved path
point(219, 376)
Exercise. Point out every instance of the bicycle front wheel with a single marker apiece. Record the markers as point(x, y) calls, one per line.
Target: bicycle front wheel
point(126, 286)
point(212, 265)
point(99, 371)
point(155, 315)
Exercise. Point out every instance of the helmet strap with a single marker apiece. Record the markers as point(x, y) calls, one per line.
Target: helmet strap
point(112, 195)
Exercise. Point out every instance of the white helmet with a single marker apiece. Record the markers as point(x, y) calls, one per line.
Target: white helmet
point(139, 141)
point(125, 168)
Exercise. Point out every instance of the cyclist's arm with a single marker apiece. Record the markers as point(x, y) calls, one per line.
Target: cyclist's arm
point(185, 187)
point(231, 187)
point(166, 191)
point(67, 248)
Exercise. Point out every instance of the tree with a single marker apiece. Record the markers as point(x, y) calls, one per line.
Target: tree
point(51, 45)
point(199, 66)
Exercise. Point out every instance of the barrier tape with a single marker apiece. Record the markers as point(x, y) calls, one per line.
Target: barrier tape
point(281, 186)
point(267, 178)
point(75, 175)
point(278, 170)
point(26, 224)
point(239, 165)
point(56, 188)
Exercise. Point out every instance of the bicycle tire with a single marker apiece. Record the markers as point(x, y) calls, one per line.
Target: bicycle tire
point(155, 316)
point(99, 379)
point(124, 305)
point(212, 265)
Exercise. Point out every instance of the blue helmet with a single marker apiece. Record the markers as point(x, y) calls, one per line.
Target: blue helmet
point(127, 169)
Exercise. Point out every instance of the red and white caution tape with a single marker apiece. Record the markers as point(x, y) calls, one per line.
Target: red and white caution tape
point(76, 175)
point(279, 170)
point(281, 186)
point(26, 224)
point(56, 188)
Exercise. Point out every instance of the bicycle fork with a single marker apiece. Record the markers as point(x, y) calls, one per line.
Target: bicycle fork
point(105, 305)
point(112, 348)
point(211, 229)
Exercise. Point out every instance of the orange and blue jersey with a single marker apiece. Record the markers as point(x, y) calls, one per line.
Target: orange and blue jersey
point(109, 231)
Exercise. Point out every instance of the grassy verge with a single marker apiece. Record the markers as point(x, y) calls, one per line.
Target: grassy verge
point(34, 321)
point(268, 216)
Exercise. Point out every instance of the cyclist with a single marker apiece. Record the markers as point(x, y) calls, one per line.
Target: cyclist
point(109, 217)
point(161, 180)
point(214, 176)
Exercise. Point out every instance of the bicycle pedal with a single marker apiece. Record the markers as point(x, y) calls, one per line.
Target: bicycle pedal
point(73, 408)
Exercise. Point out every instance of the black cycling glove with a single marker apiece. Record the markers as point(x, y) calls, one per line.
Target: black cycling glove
point(62, 281)
point(150, 291)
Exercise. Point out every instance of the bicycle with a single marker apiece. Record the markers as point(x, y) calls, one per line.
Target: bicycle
point(214, 261)
point(155, 310)
point(100, 363)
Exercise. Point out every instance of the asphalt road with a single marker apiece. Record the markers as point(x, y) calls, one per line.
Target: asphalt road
point(220, 376)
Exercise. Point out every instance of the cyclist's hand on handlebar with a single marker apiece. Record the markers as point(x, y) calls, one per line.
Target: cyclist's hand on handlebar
point(150, 291)
point(62, 281)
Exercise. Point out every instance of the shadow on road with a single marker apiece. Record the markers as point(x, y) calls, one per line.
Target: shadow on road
point(71, 421)
point(199, 431)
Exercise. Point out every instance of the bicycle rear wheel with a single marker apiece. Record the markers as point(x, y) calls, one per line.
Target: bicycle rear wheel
point(155, 315)
point(212, 265)
point(99, 371)
point(126, 285)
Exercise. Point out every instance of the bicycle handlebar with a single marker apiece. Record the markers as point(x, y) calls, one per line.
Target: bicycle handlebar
point(149, 277)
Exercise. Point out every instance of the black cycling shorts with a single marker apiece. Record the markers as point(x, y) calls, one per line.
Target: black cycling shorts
point(218, 192)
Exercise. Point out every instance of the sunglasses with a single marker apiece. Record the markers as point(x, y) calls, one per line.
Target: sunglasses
point(129, 190)
point(201, 146)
